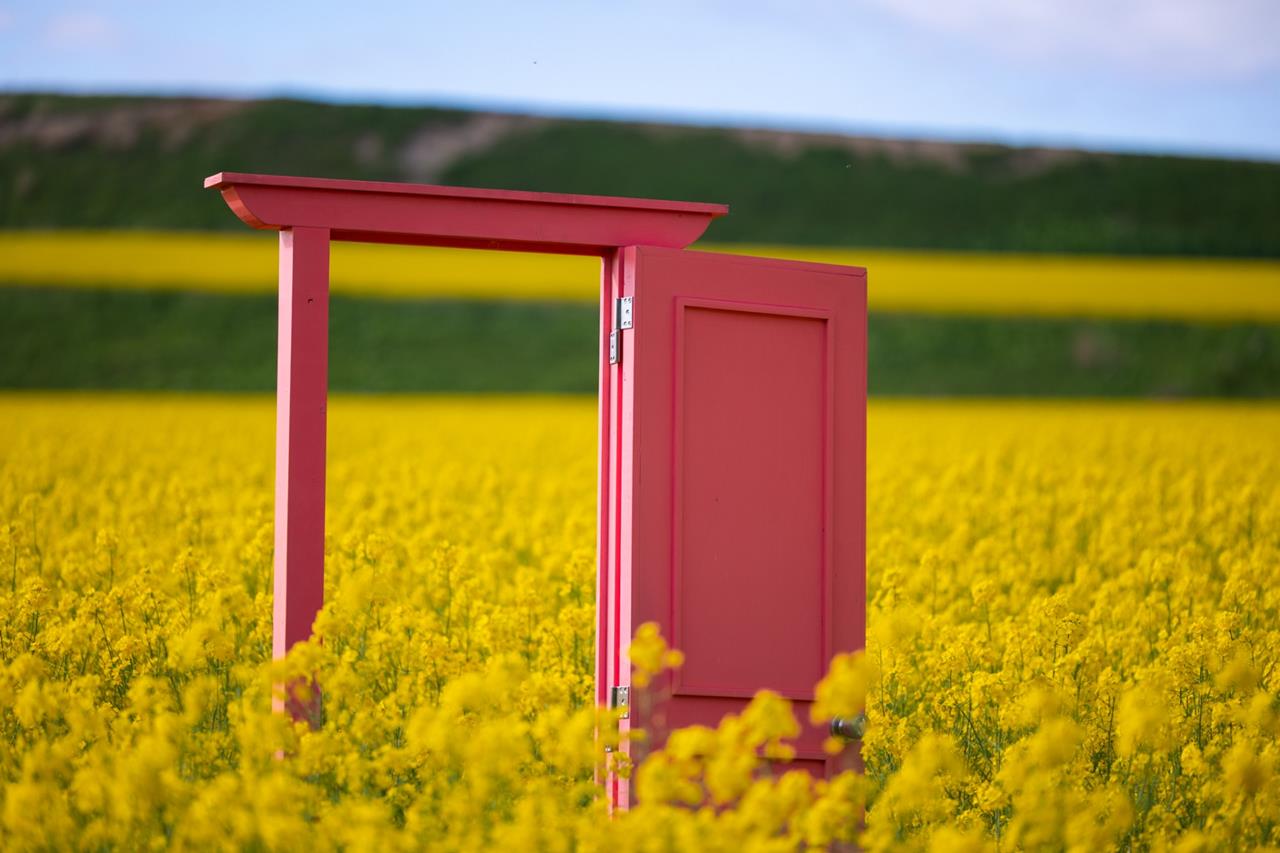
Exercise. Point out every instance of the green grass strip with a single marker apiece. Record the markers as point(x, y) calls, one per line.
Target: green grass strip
point(152, 340)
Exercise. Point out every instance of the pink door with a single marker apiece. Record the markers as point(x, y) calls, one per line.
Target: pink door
point(737, 490)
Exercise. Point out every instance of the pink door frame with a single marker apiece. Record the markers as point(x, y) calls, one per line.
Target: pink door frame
point(309, 213)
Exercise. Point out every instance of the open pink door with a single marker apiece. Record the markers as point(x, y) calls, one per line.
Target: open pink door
point(737, 407)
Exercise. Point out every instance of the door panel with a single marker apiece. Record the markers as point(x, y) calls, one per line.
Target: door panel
point(749, 503)
point(740, 482)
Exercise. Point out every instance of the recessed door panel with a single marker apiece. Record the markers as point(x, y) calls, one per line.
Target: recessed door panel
point(750, 509)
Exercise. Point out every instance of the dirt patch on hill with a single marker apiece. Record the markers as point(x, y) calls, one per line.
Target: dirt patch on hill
point(115, 126)
point(431, 151)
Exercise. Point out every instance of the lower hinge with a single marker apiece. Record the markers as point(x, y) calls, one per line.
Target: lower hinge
point(620, 697)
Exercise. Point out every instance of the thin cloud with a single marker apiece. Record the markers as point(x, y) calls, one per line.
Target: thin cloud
point(1188, 39)
point(81, 30)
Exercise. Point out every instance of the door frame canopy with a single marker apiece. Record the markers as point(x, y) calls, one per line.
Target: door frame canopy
point(463, 217)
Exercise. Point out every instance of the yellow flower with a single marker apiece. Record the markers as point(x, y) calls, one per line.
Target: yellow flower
point(1141, 720)
point(1246, 770)
point(842, 692)
point(1071, 624)
point(649, 654)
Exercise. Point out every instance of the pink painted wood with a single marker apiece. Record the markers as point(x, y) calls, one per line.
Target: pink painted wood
point(738, 483)
point(302, 385)
point(421, 214)
point(731, 443)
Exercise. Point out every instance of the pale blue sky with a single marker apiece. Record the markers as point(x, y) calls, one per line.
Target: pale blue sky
point(1200, 76)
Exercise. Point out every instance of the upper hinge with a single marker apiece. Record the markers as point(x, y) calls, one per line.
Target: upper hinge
point(623, 318)
point(620, 697)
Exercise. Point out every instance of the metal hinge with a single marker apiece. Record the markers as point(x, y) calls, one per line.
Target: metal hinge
point(620, 697)
point(623, 318)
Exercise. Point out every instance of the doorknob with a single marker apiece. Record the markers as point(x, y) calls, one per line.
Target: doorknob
point(849, 728)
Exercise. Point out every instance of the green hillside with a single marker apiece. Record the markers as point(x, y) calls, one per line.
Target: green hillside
point(131, 162)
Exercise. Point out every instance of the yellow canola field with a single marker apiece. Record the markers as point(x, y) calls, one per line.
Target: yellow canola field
point(971, 283)
point(1073, 636)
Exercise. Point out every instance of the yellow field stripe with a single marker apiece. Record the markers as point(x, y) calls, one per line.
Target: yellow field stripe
point(935, 282)
point(246, 263)
point(1059, 285)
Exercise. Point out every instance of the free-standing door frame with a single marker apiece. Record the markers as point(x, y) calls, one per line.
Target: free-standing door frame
point(310, 213)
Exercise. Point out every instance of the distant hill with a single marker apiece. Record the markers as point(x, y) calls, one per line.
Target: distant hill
point(138, 162)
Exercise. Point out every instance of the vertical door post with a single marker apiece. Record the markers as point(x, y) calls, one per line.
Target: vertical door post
point(604, 454)
point(602, 490)
point(302, 378)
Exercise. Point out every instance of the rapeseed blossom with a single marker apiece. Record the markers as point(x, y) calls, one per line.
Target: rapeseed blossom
point(1073, 638)
point(999, 283)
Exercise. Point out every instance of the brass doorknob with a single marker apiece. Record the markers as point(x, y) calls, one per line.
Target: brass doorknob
point(849, 728)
